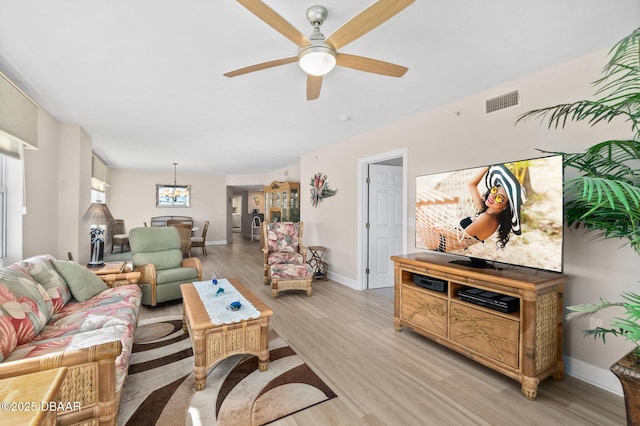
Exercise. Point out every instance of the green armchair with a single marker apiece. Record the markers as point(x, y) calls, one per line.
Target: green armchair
point(157, 255)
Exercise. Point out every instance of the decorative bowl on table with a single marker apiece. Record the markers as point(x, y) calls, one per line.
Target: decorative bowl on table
point(234, 306)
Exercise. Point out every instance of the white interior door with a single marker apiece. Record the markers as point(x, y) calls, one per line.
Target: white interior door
point(385, 222)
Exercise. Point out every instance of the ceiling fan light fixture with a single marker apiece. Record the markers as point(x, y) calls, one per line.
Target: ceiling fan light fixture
point(317, 56)
point(317, 59)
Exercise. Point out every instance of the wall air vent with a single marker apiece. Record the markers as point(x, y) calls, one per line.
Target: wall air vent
point(501, 102)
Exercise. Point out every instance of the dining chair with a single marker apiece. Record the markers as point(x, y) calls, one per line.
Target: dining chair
point(201, 241)
point(119, 236)
point(256, 227)
point(184, 229)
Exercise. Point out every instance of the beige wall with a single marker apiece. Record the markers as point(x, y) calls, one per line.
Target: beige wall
point(14, 197)
point(40, 224)
point(460, 135)
point(74, 196)
point(251, 205)
point(132, 197)
point(288, 174)
point(57, 179)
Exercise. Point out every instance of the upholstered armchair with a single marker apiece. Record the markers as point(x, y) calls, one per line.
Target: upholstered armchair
point(282, 245)
point(157, 255)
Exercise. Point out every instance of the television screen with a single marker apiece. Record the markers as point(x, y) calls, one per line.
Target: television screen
point(508, 213)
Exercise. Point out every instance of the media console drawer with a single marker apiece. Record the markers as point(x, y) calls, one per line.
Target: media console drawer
point(425, 311)
point(522, 340)
point(493, 335)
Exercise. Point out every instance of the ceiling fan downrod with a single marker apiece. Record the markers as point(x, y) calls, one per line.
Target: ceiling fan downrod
point(316, 15)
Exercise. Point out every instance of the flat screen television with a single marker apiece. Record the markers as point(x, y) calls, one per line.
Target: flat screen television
point(501, 214)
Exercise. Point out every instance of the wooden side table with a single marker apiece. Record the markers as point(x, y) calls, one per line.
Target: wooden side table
point(320, 267)
point(116, 274)
point(110, 268)
point(31, 399)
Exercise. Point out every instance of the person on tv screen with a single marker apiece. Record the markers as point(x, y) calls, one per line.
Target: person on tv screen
point(498, 209)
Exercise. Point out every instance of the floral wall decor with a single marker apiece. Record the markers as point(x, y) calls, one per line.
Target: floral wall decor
point(320, 189)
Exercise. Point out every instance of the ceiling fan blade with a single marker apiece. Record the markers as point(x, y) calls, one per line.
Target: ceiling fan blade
point(375, 66)
point(314, 84)
point(261, 66)
point(365, 21)
point(275, 21)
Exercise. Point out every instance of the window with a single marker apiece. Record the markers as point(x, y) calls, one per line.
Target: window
point(99, 178)
point(98, 196)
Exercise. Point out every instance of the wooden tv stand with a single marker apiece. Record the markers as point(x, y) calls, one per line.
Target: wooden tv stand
point(525, 345)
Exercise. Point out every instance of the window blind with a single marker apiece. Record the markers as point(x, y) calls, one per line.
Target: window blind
point(99, 174)
point(18, 119)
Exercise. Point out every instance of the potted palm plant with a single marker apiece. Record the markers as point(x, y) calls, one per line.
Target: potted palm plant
point(605, 196)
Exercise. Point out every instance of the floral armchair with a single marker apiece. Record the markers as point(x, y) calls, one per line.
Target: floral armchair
point(282, 245)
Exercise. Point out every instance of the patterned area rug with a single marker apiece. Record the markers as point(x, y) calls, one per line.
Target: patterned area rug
point(160, 386)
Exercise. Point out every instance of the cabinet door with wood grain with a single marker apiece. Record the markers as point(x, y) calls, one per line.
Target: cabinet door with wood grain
point(424, 310)
point(492, 334)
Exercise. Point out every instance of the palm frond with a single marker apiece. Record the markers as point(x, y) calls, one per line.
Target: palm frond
point(624, 59)
point(600, 332)
point(589, 309)
point(605, 197)
point(615, 159)
point(593, 112)
point(606, 205)
point(619, 88)
point(627, 326)
point(632, 306)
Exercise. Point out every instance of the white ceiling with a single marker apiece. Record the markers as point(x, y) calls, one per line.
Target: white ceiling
point(144, 77)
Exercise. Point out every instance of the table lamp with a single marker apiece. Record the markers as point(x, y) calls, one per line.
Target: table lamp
point(97, 215)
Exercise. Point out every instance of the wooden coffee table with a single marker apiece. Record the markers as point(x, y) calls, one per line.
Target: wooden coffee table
point(212, 343)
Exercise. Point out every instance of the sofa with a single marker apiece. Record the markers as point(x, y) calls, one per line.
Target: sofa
point(57, 313)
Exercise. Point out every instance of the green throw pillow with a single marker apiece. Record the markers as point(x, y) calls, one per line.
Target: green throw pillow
point(83, 283)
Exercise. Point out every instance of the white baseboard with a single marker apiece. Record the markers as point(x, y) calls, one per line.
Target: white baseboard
point(344, 280)
point(600, 377)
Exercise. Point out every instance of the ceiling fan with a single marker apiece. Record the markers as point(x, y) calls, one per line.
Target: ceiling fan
point(317, 55)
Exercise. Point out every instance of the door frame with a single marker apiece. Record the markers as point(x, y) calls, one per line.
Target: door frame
point(363, 207)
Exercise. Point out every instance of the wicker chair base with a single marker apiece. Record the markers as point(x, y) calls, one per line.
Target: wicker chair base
point(280, 284)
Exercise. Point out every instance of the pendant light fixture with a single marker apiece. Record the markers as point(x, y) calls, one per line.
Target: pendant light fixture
point(174, 193)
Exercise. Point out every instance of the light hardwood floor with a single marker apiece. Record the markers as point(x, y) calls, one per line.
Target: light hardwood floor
point(384, 377)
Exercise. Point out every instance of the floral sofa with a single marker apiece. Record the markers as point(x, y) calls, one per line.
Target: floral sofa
point(56, 313)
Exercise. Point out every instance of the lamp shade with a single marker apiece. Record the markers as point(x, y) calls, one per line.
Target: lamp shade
point(317, 59)
point(97, 214)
